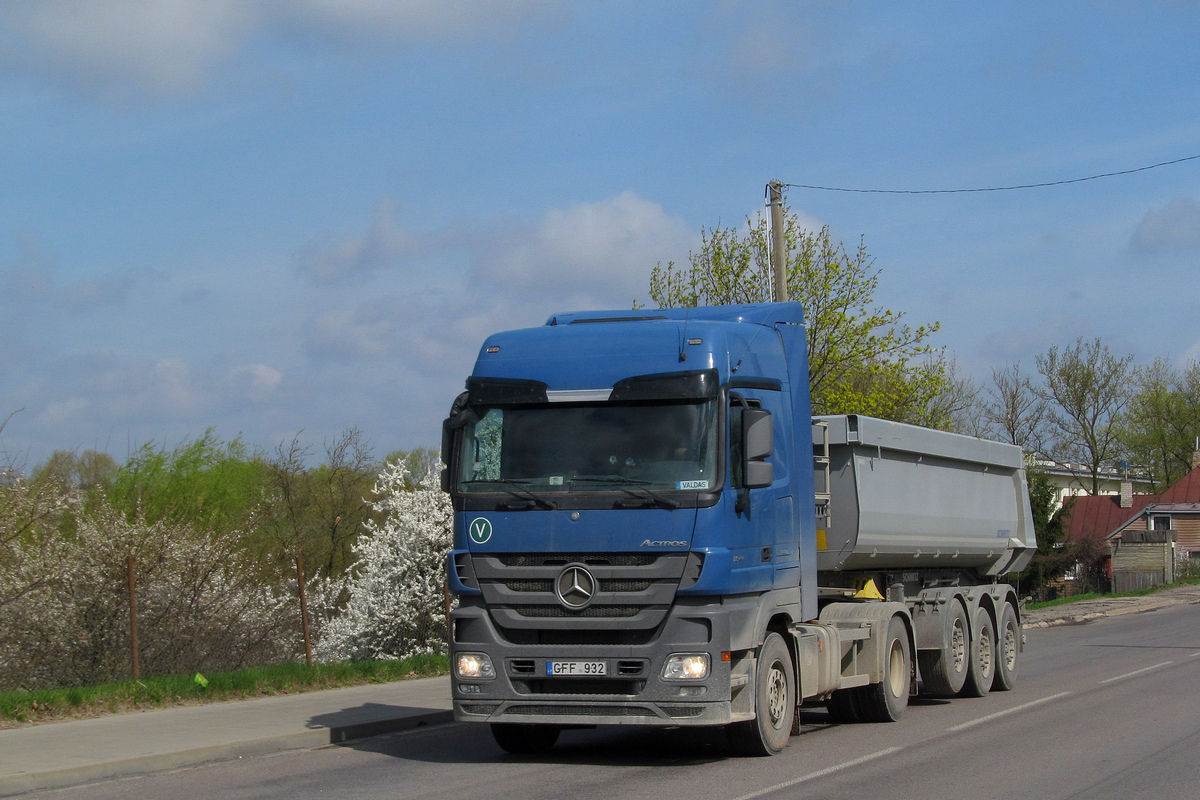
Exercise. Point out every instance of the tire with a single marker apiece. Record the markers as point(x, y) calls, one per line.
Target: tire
point(774, 703)
point(1008, 650)
point(843, 707)
point(524, 739)
point(885, 701)
point(983, 657)
point(945, 671)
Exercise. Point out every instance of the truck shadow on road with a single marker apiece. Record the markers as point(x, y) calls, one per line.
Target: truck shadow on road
point(602, 746)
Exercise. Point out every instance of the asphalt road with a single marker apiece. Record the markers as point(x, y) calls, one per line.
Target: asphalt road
point(1110, 709)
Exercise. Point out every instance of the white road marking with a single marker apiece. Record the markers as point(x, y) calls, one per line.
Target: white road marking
point(1135, 672)
point(820, 773)
point(1007, 711)
point(1193, 655)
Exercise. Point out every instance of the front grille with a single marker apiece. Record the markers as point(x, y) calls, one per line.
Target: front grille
point(624, 585)
point(530, 585)
point(592, 559)
point(581, 711)
point(592, 612)
point(605, 585)
point(478, 708)
point(683, 711)
point(576, 636)
point(630, 589)
point(612, 686)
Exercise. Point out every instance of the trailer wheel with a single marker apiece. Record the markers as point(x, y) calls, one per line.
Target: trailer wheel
point(983, 657)
point(1008, 650)
point(945, 671)
point(524, 739)
point(885, 701)
point(774, 703)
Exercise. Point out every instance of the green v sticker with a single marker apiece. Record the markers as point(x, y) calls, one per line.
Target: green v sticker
point(481, 530)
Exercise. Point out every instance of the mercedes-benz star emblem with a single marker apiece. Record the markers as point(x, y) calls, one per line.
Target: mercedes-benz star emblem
point(575, 587)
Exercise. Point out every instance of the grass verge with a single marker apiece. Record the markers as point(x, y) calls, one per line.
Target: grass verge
point(48, 705)
point(1075, 598)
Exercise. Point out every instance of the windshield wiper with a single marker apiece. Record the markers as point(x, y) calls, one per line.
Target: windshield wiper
point(517, 489)
point(640, 493)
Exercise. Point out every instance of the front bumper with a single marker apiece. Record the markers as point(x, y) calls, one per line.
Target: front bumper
point(632, 692)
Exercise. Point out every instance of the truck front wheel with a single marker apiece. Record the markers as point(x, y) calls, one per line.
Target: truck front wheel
point(885, 701)
point(775, 703)
point(524, 739)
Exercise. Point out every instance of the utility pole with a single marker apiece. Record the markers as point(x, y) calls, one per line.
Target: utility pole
point(779, 249)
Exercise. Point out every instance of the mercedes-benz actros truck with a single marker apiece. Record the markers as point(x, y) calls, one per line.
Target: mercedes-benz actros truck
point(652, 528)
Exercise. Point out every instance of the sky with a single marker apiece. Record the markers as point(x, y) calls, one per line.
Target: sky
point(273, 217)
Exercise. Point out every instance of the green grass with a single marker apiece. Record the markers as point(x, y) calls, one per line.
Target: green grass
point(1075, 598)
point(20, 706)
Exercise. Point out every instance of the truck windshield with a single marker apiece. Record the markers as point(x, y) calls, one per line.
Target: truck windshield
point(661, 446)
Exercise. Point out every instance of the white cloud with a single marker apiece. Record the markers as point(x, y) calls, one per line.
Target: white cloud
point(32, 278)
point(382, 246)
point(160, 46)
point(171, 47)
point(589, 255)
point(253, 382)
point(364, 332)
point(1174, 227)
point(416, 19)
point(119, 391)
point(603, 250)
point(61, 412)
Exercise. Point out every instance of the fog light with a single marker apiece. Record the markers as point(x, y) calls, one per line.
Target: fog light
point(686, 667)
point(474, 666)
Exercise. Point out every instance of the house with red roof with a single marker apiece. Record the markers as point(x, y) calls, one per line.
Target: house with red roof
point(1175, 509)
point(1146, 533)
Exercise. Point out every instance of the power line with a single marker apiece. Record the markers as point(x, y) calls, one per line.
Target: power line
point(992, 188)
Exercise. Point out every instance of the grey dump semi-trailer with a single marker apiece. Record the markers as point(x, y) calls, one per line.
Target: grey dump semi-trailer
point(651, 529)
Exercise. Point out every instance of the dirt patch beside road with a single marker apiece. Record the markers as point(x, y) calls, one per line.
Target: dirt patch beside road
point(1088, 610)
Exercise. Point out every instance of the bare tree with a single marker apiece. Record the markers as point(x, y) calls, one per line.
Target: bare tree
point(342, 486)
point(1014, 410)
point(1086, 387)
point(956, 407)
point(317, 512)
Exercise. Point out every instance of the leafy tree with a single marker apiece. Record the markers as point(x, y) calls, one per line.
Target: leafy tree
point(1086, 388)
point(204, 482)
point(1052, 560)
point(1161, 423)
point(396, 602)
point(862, 359)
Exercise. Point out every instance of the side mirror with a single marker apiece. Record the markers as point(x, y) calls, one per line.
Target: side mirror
point(758, 443)
point(451, 424)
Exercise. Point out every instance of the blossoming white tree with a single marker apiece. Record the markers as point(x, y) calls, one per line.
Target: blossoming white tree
point(396, 605)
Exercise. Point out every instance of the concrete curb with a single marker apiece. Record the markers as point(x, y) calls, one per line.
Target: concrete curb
point(317, 737)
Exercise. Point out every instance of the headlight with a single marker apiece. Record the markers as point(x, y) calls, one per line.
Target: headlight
point(686, 667)
point(474, 666)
